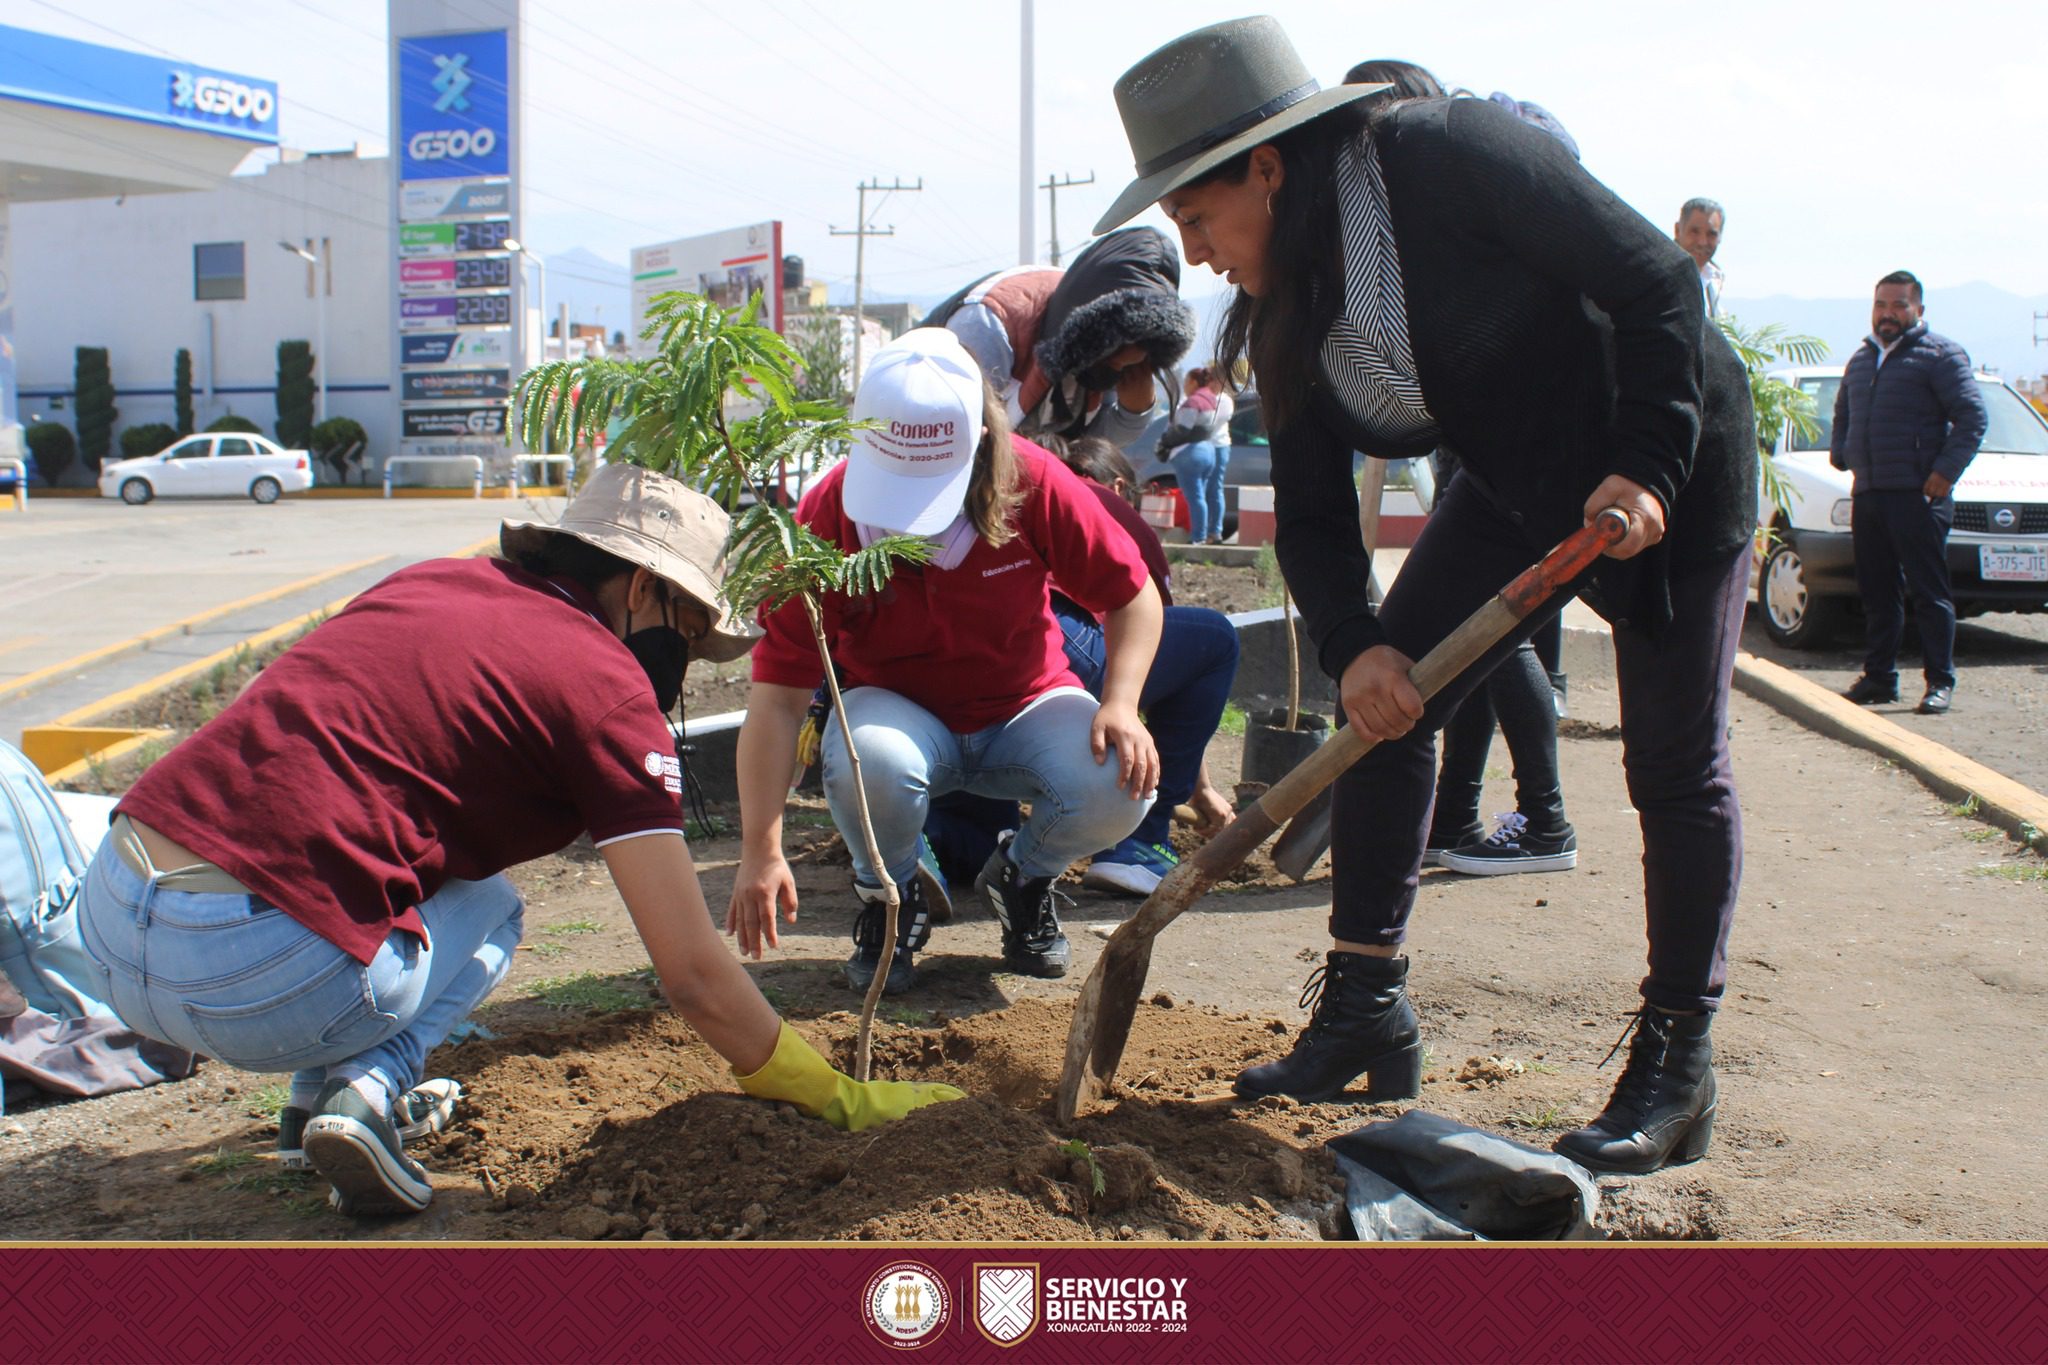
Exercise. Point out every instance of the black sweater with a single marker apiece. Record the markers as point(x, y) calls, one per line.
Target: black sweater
point(1559, 338)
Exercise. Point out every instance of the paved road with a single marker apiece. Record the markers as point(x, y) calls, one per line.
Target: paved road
point(2001, 708)
point(79, 574)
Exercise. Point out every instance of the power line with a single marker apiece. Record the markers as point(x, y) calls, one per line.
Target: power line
point(1052, 188)
point(860, 232)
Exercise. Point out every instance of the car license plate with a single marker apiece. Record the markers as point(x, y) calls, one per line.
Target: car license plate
point(2013, 563)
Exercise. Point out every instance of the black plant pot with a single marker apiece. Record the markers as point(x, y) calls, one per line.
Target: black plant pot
point(1271, 750)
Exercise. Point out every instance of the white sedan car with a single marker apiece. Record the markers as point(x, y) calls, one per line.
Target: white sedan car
point(210, 465)
point(1997, 549)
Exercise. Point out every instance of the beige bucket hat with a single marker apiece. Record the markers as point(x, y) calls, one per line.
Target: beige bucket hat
point(668, 528)
point(1208, 95)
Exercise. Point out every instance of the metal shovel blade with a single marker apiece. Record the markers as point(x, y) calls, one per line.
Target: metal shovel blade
point(1108, 1002)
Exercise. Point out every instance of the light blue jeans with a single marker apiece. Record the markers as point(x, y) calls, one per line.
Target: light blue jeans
point(1040, 755)
point(1200, 476)
point(234, 977)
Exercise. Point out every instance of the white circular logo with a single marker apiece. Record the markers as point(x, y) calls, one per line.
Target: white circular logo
point(2004, 518)
point(906, 1304)
point(652, 763)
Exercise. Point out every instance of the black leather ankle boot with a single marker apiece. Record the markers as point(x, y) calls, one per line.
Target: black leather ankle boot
point(1361, 1022)
point(1662, 1110)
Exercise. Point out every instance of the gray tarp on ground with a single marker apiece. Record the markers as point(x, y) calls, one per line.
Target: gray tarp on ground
point(97, 1055)
point(1423, 1177)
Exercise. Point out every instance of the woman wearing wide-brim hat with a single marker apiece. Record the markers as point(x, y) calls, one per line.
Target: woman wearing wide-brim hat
point(312, 882)
point(1438, 273)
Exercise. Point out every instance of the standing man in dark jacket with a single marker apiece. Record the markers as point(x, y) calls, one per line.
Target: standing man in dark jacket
point(1908, 420)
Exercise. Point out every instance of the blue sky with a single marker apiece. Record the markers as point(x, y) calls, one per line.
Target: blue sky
point(1846, 140)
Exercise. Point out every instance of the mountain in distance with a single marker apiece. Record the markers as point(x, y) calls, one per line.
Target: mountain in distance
point(1995, 326)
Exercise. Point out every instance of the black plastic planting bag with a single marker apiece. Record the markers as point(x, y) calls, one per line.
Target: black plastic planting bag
point(1422, 1177)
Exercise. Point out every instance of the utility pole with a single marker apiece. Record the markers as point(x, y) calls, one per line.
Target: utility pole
point(2040, 318)
point(1027, 155)
point(860, 232)
point(1052, 188)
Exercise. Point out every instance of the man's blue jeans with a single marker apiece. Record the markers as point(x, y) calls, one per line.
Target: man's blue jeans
point(1040, 755)
point(236, 978)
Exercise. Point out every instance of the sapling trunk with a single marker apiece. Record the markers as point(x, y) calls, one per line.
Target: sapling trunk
point(1293, 659)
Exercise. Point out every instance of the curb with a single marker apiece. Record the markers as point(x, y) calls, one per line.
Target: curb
point(2017, 809)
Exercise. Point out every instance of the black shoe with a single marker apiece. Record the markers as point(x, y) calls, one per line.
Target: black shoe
point(1512, 848)
point(291, 1139)
point(1662, 1110)
point(1935, 703)
point(1436, 845)
point(1028, 911)
point(913, 930)
point(1361, 1023)
point(1869, 691)
point(359, 1151)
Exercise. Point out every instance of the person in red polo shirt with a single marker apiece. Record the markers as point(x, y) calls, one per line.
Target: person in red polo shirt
point(312, 882)
point(955, 675)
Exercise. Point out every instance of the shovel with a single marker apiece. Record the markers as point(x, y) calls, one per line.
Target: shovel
point(1109, 999)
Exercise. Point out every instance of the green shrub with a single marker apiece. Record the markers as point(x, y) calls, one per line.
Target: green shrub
point(181, 384)
point(92, 382)
point(231, 422)
point(342, 443)
point(146, 439)
point(294, 393)
point(54, 448)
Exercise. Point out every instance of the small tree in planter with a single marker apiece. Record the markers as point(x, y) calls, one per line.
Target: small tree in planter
point(93, 384)
point(674, 406)
point(181, 390)
point(340, 442)
point(294, 394)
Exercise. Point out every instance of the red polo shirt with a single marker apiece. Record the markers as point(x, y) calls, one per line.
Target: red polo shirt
point(458, 718)
point(977, 643)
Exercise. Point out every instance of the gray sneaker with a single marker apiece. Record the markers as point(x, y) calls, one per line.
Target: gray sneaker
point(420, 1112)
point(362, 1156)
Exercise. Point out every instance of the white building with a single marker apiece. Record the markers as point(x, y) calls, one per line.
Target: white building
point(145, 276)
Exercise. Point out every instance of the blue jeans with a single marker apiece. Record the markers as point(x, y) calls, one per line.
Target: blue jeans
point(1183, 702)
point(1040, 755)
point(236, 978)
point(1213, 490)
point(1196, 469)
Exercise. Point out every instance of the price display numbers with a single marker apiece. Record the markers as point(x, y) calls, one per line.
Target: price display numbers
point(485, 236)
point(491, 272)
point(484, 310)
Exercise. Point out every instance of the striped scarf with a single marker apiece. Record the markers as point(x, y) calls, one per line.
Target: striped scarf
point(1367, 356)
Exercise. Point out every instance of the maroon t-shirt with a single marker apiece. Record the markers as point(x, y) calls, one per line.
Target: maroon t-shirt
point(458, 718)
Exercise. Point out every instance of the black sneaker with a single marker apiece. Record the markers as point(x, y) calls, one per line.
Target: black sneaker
point(913, 929)
point(1511, 848)
point(359, 1151)
point(291, 1138)
point(1028, 911)
point(1869, 691)
point(1436, 845)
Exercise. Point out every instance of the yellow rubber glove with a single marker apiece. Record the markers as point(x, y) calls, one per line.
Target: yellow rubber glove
point(798, 1075)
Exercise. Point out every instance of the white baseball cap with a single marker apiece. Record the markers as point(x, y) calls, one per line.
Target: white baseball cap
point(910, 473)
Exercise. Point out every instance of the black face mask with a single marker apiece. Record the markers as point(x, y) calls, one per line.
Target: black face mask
point(663, 655)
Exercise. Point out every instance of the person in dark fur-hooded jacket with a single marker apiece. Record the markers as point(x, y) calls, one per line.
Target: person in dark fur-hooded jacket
point(1080, 351)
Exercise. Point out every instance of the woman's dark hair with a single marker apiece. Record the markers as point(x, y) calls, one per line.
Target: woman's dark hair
point(565, 556)
point(1204, 376)
point(1092, 457)
point(1304, 264)
point(1410, 82)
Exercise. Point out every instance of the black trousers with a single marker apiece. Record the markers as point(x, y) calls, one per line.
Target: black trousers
point(1901, 541)
point(1517, 695)
point(1674, 724)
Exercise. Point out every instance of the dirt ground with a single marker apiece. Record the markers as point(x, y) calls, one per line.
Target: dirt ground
point(1879, 1054)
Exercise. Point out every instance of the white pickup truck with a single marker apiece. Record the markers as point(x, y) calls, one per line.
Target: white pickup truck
point(1997, 549)
point(210, 465)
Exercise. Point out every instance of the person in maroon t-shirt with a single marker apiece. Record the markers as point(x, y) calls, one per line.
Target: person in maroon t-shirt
point(312, 882)
point(955, 676)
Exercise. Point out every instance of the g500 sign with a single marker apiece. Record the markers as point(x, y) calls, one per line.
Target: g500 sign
point(222, 97)
point(453, 112)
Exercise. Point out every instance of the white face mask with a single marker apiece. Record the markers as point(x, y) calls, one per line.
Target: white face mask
point(950, 546)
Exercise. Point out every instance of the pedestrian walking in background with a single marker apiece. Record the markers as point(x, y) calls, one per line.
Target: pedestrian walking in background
point(1908, 421)
point(1197, 444)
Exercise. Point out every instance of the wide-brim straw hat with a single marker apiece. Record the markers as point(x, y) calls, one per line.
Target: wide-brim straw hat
point(1207, 96)
point(650, 520)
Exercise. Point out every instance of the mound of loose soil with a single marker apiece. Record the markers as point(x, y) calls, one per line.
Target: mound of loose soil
point(627, 1127)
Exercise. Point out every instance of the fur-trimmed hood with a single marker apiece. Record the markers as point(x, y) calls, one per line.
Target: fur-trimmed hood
point(1123, 290)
